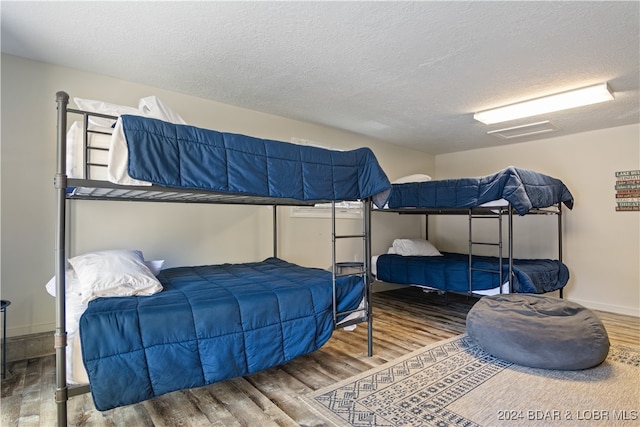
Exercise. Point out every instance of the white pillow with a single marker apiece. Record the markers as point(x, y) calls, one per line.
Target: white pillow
point(107, 108)
point(74, 305)
point(114, 273)
point(151, 106)
point(415, 247)
point(118, 157)
point(155, 265)
point(419, 177)
point(73, 284)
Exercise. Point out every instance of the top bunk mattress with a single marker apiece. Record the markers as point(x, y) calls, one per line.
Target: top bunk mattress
point(146, 151)
point(524, 189)
point(183, 156)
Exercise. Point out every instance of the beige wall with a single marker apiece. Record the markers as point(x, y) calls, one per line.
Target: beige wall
point(180, 234)
point(601, 246)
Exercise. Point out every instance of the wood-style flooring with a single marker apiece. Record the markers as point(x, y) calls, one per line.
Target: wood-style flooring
point(404, 320)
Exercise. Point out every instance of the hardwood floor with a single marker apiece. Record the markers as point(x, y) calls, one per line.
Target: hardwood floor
point(404, 320)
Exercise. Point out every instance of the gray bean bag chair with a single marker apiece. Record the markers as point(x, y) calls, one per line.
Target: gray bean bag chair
point(538, 331)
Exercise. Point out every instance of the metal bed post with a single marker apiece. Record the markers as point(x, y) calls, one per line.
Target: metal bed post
point(334, 265)
point(510, 246)
point(85, 146)
point(275, 231)
point(470, 253)
point(500, 249)
point(60, 340)
point(560, 240)
point(368, 282)
point(426, 226)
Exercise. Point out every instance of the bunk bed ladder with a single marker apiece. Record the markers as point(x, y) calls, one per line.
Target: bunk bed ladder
point(499, 245)
point(361, 269)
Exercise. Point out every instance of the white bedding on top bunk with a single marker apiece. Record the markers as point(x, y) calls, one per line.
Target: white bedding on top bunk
point(423, 178)
point(492, 204)
point(116, 158)
point(75, 154)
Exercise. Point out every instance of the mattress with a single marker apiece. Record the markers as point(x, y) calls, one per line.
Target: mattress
point(504, 289)
point(450, 273)
point(523, 189)
point(145, 151)
point(210, 323)
point(173, 155)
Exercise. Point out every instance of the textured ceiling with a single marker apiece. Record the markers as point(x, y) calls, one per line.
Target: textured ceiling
point(410, 73)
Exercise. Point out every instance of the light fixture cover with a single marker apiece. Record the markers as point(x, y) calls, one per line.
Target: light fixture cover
point(547, 104)
point(524, 130)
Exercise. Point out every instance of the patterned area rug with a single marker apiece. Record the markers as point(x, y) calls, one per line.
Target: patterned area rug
point(456, 383)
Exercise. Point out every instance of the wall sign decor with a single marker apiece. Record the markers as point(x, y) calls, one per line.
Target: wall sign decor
point(628, 191)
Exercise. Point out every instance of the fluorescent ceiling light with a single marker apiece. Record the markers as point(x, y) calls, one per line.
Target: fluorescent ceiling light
point(524, 130)
point(547, 104)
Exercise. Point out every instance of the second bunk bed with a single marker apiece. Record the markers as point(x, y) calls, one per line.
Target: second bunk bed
point(502, 195)
point(146, 333)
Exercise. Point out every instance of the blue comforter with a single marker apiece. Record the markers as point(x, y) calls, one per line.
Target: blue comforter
point(184, 156)
point(524, 189)
point(450, 272)
point(210, 323)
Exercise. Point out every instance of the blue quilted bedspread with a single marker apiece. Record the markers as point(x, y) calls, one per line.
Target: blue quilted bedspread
point(450, 272)
point(210, 323)
point(524, 189)
point(189, 157)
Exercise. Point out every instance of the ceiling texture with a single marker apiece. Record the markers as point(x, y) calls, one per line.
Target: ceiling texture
point(409, 73)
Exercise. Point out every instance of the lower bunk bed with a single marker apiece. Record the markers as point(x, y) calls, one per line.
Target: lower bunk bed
point(450, 272)
point(209, 323)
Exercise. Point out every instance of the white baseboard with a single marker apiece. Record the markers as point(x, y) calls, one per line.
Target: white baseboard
point(611, 308)
point(29, 346)
point(618, 309)
point(19, 331)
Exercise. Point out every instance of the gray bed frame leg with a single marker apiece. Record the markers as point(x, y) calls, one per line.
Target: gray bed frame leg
point(368, 276)
point(275, 231)
point(60, 183)
point(561, 293)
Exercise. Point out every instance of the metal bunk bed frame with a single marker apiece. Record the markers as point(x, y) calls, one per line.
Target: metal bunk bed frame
point(497, 213)
point(88, 189)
